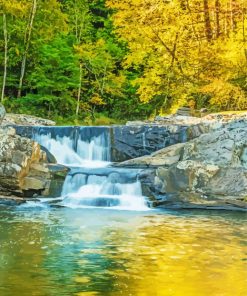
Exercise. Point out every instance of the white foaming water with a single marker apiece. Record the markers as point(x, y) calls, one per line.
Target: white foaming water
point(95, 150)
point(102, 191)
point(97, 188)
point(88, 154)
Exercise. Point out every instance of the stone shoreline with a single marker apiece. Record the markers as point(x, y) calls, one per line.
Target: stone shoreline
point(209, 171)
point(205, 170)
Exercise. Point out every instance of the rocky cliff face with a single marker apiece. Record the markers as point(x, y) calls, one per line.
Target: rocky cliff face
point(24, 169)
point(207, 172)
point(131, 141)
point(23, 166)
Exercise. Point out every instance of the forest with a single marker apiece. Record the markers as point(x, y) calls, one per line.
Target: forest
point(108, 61)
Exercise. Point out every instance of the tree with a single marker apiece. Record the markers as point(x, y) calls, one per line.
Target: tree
point(57, 70)
point(9, 9)
point(5, 33)
point(181, 46)
point(80, 26)
point(27, 39)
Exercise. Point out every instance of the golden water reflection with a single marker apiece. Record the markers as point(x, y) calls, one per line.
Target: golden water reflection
point(105, 253)
point(167, 255)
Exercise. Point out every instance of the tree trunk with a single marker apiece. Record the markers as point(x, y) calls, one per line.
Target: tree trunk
point(5, 33)
point(233, 15)
point(192, 22)
point(27, 44)
point(208, 28)
point(217, 17)
point(79, 92)
point(243, 21)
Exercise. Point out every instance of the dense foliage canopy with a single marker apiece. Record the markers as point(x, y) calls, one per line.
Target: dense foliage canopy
point(124, 59)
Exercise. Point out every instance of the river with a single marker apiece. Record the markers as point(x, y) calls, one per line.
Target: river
point(63, 251)
point(98, 237)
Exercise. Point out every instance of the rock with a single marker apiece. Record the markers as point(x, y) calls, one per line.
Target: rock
point(129, 142)
point(203, 110)
point(2, 113)
point(26, 120)
point(189, 176)
point(197, 201)
point(11, 200)
point(164, 157)
point(210, 119)
point(228, 181)
point(184, 111)
point(227, 116)
point(212, 167)
point(59, 173)
point(24, 169)
point(147, 177)
point(50, 157)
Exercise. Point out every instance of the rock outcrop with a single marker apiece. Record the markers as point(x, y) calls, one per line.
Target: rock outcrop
point(163, 157)
point(27, 120)
point(207, 172)
point(24, 169)
point(137, 140)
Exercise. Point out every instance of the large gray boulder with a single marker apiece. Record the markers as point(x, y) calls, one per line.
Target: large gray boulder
point(163, 157)
point(24, 170)
point(209, 171)
point(136, 140)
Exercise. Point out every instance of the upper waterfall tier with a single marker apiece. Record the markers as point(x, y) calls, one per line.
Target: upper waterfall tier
point(84, 146)
point(114, 143)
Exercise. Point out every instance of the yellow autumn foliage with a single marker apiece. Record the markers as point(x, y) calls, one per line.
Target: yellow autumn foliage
point(181, 46)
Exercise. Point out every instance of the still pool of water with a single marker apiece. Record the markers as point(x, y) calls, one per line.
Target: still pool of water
point(82, 252)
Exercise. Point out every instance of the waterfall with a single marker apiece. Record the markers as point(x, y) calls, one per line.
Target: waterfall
point(111, 189)
point(81, 149)
point(92, 181)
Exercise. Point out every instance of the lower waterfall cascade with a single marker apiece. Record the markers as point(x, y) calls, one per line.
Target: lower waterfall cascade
point(92, 181)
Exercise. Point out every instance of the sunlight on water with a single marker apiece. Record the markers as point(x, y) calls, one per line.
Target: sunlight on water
point(100, 252)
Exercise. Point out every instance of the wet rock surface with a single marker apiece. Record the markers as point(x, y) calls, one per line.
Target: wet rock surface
point(133, 141)
point(209, 171)
point(163, 157)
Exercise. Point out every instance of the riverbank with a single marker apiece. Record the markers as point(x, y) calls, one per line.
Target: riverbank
point(208, 171)
point(183, 162)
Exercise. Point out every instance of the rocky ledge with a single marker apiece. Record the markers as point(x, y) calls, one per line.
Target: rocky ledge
point(27, 120)
point(209, 171)
point(24, 169)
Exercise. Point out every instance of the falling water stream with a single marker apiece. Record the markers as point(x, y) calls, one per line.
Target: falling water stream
point(92, 181)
